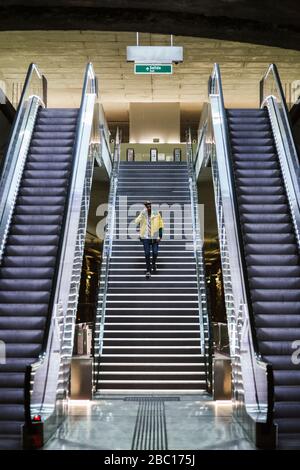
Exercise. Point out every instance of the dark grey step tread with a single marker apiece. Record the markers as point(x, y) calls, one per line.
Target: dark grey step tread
point(274, 249)
point(155, 342)
point(288, 425)
point(12, 412)
point(274, 271)
point(10, 443)
point(10, 428)
point(287, 377)
point(26, 272)
point(275, 295)
point(45, 166)
point(274, 283)
point(21, 336)
point(130, 351)
point(280, 347)
point(148, 358)
point(30, 323)
point(277, 334)
point(263, 208)
point(272, 260)
point(153, 385)
point(38, 183)
point(29, 261)
point(259, 191)
point(257, 219)
point(46, 210)
point(270, 238)
point(153, 334)
point(30, 297)
point(12, 379)
point(58, 112)
point(31, 250)
point(277, 320)
point(27, 240)
point(25, 284)
point(18, 350)
point(11, 396)
point(16, 364)
point(290, 308)
point(281, 361)
point(152, 289)
point(177, 376)
point(43, 176)
point(43, 191)
point(254, 158)
point(45, 229)
point(174, 321)
point(289, 441)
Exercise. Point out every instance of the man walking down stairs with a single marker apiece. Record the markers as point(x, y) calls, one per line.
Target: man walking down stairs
point(151, 339)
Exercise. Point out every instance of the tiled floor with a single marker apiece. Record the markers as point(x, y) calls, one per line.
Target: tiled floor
point(192, 423)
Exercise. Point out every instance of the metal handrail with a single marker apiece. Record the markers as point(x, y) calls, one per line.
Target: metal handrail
point(107, 250)
point(19, 140)
point(279, 95)
point(215, 88)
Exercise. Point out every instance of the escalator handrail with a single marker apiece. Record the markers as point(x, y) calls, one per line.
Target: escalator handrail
point(32, 71)
point(215, 88)
point(280, 96)
point(5, 184)
point(89, 82)
point(89, 87)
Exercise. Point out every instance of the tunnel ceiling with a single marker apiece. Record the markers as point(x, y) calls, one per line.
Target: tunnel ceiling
point(254, 21)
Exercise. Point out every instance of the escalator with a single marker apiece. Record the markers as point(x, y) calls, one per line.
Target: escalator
point(254, 165)
point(30, 258)
point(33, 256)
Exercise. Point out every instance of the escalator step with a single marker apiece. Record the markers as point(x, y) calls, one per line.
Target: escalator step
point(27, 273)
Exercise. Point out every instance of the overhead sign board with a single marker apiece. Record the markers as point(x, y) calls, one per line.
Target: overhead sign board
point(154, 54)
point(146, 69)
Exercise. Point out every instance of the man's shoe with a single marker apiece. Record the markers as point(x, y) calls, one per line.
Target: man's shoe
point(154, 268)
point(148, 275)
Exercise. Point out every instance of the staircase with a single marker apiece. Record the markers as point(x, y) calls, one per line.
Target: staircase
point(30, 260)
point(151, 341)
point(272, 257)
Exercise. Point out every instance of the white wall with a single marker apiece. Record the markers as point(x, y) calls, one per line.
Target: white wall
point(148, 121)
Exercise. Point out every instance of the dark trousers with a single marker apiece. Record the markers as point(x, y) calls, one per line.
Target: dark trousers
point(148, 245)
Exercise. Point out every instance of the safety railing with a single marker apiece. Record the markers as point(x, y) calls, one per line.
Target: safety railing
point(47, 380)
point(205, 339)
point(34, 95)
point(252, 377)
point(106, 256)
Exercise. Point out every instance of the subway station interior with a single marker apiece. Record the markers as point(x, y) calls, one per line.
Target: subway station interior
point(193, 106)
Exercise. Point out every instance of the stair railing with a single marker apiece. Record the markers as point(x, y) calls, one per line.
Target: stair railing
point(106, 257)
point(272, 97)
point(204, 320)
point(253, 390)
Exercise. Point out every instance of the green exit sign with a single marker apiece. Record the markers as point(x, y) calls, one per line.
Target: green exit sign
point(145, 69)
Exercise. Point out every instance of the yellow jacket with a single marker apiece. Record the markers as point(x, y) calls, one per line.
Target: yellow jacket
point(157, 223)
